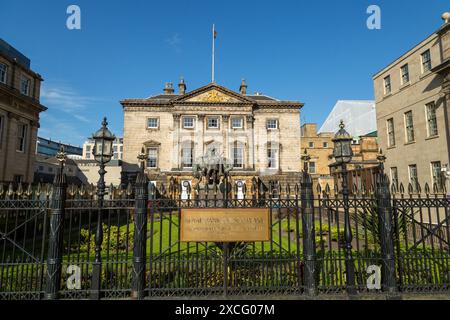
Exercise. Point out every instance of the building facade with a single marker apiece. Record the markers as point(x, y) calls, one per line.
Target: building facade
point(258, 134)
point(412, 103)
point(19, 115)
point(319, 147)
point(45, 169)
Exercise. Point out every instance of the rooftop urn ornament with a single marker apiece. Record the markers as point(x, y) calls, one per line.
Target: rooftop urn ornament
point(446, 17)
point(342, 151)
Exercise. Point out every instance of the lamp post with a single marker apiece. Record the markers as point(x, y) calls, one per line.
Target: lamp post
point(103, 152)
point(343, 154)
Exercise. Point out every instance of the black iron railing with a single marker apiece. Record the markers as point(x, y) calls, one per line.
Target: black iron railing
point(48, 247)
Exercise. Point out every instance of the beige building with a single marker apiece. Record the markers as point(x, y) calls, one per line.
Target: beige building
point(45, 169)
point(78, 171)
point(88, 172)
point(319, 147)
point(19, 115)
point(412, 104)
point(258, 134)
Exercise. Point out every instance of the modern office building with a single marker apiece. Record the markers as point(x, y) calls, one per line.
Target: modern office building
point(49, 148)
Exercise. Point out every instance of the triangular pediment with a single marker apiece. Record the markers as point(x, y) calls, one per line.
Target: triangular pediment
point(213, 93)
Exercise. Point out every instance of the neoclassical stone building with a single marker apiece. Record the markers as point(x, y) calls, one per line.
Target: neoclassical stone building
point(19, 115)
point(259, 135)
point(412, 104)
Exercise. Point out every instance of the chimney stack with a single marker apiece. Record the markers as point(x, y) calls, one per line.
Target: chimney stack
point(446, 17)
point(169, 88)
point(243, 87)
point(182, 87)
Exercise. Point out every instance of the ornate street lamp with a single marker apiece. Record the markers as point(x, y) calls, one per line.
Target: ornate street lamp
point(342, 151)
point(103, 152)
point(343, 154)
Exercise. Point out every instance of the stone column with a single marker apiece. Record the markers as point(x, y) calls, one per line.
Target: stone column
point(176, 164)
point(250, 154)
point(225, 128)
point(200, 137)
point(9, 137)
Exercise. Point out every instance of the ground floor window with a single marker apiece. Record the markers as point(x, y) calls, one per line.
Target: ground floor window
point(152, 160)
point(272, 155)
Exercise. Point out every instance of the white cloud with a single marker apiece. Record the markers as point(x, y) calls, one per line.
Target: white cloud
point(65, 99)
point(174, 41)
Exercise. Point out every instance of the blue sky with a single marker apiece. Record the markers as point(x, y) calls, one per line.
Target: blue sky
point(316, 52)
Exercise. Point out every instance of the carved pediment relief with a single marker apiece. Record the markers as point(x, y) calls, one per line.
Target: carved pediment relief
point(152, 143)
point(213, 96)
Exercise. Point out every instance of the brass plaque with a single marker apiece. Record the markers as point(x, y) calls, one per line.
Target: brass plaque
point(224, 225)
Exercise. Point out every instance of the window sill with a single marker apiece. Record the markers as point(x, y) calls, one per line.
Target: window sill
point(408, 143)
point(405, 85)
point(425, 74)
point(432, 137)
point(391, 147)
point(387, 95)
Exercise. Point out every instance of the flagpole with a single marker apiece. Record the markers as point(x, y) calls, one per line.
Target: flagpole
point(213, 50)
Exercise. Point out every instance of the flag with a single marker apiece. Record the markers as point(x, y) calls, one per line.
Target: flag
point(214, 32)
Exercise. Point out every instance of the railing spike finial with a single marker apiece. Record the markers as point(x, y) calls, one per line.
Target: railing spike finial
point(393, 188)
point(91, 190)
point(27, 192)
point(427, 188)
point(402, 188)
point(38, 190)
point(319, 189)
point(327, 189)
point(410, 188)
point(10, 192)
point(20, 189)
point(129, 189)
point(435, 188)
point(82, 190)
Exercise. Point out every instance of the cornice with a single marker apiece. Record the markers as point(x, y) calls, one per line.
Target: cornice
point(30, 102)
